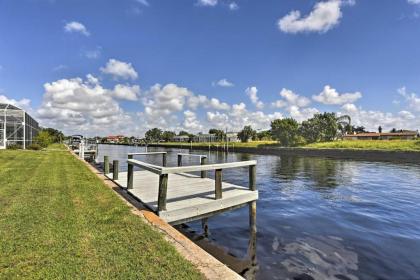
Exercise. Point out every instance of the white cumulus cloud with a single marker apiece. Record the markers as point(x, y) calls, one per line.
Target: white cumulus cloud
point(191, 122)
point(411, 99)
point(76, 27)
point(119, 69)
point(22, 103)
point(252, 93)
point(414, 2)
point(330, 96)
point(223, 83)
point(77, 105)
point(289, 98)
point(210, 3)
point(233, 6)
point(324, 16)
point(126, 92)
point(372, 119)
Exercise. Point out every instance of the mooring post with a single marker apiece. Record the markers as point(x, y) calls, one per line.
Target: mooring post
point(205, 226)
point(252, 248)
point(163, 187)
point(253, 177)
point(130, 176)
point(218, 183)
point(106, 164)
point(203, 161)
point(164, 160)
point(179, 160)
point(115, 169)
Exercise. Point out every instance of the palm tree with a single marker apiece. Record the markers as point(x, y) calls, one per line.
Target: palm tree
point(344, 124)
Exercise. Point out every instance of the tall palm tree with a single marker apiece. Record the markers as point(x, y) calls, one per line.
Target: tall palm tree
point(344, 124)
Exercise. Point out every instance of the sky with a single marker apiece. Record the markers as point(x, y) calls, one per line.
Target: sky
point(101, 67)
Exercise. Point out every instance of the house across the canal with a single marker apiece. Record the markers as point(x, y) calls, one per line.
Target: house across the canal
point(404, 135)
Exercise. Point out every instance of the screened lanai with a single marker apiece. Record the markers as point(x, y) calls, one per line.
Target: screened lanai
point(16, 127)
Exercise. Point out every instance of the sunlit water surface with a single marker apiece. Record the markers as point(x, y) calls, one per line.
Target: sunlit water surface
point(324, 218)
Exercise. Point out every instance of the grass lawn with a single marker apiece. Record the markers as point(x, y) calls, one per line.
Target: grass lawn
point(390, 145)
point(393, 145)
point(59, 221)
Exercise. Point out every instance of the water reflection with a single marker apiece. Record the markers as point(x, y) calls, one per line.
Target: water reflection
point(323, 218)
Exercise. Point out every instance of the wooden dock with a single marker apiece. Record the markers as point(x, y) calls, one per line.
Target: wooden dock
point(189, 197)
point(178, 196)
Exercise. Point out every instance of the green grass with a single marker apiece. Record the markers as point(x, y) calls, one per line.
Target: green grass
point(59, 221)
point(391, 145)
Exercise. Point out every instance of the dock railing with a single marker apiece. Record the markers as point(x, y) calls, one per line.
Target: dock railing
point(164, 155)
point(163, 173)
point(202, 159)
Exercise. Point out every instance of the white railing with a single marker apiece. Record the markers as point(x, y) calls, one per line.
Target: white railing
point(164, 171)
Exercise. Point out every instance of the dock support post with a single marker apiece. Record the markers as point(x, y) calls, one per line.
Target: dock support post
point(252, 248)
point(163, 160)
point(253, 177)
point(115, 169)
point(163, 187)
point(130, 177)
point(130, 156)
point(203, 161)
point(106, 164)
point(179, 160)
point(218, 183)
point(205, 226)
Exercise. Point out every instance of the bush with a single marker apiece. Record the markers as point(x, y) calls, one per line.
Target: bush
point(14, 147)
point(35, 147)
point(44, 139)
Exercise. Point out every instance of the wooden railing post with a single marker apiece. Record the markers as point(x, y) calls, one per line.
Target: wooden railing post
point(203, 161)
point(130, 176)
point(130, 156)
point(253, 177)
point(179, 160)
point(218, 183)
point(252, 247)
point(115, 169)
point(106, 164)
point(163, 159)
point(163, 188)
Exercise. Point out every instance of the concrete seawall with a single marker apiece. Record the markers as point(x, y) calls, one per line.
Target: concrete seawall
point(353, 154)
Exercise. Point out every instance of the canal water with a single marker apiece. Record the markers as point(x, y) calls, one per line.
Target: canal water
point(317, 217)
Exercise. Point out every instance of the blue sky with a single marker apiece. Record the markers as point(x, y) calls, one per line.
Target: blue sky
point(108, 67)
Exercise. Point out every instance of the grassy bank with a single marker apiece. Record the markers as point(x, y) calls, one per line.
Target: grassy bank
point(392, 145)
point(59, 221)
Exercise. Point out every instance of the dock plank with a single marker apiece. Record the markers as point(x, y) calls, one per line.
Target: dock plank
point(188, 196)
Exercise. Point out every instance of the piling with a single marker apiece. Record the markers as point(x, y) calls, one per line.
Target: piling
point(106, 164)
point(115, 169)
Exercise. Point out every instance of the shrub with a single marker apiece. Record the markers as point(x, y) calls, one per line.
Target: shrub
point(14, 147)
point(44, 139)
point(34, 147)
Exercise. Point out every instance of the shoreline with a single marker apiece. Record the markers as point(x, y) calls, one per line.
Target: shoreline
point(195, 252)
point(353, 154)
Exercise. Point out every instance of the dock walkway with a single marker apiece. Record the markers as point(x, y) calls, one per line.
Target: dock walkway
point(178, 196)
point(189, 197)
